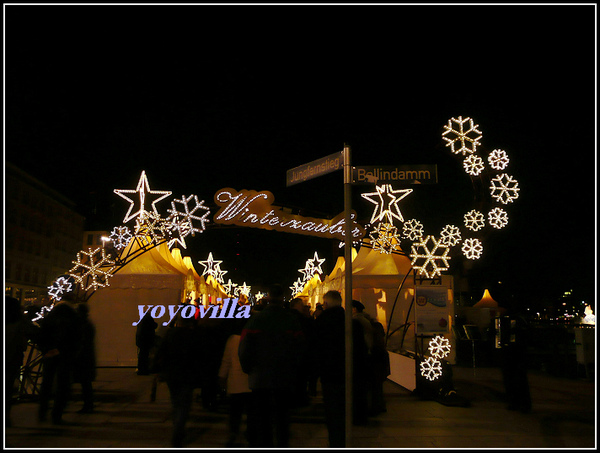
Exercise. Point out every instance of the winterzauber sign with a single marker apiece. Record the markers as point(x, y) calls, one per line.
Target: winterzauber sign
point(407, 174)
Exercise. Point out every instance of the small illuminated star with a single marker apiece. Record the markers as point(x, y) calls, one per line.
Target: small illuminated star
point(387, 203)
point(142, 189)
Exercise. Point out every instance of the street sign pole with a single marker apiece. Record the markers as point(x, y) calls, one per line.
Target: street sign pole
point(348, 290)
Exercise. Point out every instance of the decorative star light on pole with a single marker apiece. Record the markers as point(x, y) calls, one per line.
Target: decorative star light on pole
point(142, 189)
point(213, 267)
point(312, 267)
point(230, 287)
point(386, 200)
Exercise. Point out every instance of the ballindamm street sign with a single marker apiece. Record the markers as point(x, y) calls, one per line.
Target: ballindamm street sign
point(315, 169)
point(405, 174)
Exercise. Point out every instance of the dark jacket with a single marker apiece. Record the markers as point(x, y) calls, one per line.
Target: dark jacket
point(270, 348)
point(60, 330)
point(331, 352)
point(179, 358)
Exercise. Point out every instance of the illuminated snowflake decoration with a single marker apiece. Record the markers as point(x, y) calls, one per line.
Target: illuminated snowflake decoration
point(439, 347)
point(213, 267)
point(498, 159)
point(504, 189)
point(462, 136)
point(142, 190)
point(297, 287)
point(472, 248)
point(385, 238)
point(431, 368)
point(60, 287)
point(498, 218)
point(429, 257)
point(120, 237)
point(473, 165)
point(412, 230)
point(386, 200)
point(450, 236)
point(474, 220)
point(183, 221)
point(95, 271)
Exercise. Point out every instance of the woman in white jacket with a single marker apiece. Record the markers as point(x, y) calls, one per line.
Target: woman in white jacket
point(235, 381)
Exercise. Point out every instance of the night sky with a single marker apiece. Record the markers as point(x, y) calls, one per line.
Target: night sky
point(206, 97)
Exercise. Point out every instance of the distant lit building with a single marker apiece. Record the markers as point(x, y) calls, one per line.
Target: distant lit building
point(43, 234)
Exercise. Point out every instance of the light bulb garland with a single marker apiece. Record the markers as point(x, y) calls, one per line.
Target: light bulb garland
point(474, 220)
point(431, 368)
point(498, 159)
point(412, 230)
point(439, 347)
point(473, 165)
point(120, 237)
point(430, 257)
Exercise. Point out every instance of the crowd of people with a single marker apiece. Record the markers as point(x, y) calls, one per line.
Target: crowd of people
point(263, 367)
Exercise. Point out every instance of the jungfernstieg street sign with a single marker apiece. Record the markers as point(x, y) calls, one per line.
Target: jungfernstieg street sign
point(315, 168)
point(404, 174)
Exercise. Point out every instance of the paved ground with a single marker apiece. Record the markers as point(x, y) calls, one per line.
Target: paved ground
point(563, 416)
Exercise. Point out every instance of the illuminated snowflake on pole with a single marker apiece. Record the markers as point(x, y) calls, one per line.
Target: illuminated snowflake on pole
point(472, 248)
point(413, 230)
point(386, 200)
point(474, 220)
point(473, 165)
point(142, 189)
point(120, 237)
point(467, 137)
point(504, 189)
point(183, 221)
point(450, 236)
point(439, 347)
point(430, 257)
point(431, 368)
point(60, 287)
point(498, 159)
point(498, 218)
point(385, 238)
point(98, 269)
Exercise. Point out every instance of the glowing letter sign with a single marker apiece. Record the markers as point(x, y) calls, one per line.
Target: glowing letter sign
point(254, 209)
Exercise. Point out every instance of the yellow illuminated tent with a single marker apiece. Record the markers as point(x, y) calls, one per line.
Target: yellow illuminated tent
point(156, 277)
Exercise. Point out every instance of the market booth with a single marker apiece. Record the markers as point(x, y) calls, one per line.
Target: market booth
point(380, 282)
point(156, 277)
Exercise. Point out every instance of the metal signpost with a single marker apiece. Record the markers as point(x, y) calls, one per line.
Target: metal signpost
point(315, 168)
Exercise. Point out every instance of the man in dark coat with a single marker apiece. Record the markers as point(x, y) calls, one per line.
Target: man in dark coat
point(84, 370)
point(179, 361)
point(144, 340)
point(58, 342)
point(269, 351)
point(330, 335)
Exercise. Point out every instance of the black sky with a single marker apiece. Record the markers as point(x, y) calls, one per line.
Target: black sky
point(205, 97)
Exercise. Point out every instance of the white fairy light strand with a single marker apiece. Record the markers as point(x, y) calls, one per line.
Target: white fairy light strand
point(498, 218)
point(474, 220)
point(498, 159)
point(430, 257)
point(472, 248)
point(504, 189)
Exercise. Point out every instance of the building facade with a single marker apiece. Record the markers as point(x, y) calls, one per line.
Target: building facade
point(43, 234)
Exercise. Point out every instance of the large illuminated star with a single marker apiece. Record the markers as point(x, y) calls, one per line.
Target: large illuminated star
point(142, 189)
point(212, 267)
point(386, 200)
